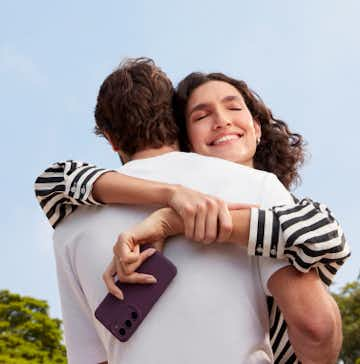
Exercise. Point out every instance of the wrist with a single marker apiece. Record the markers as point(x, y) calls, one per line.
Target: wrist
point(172, 222)
point(168, 193)
point(241, 223)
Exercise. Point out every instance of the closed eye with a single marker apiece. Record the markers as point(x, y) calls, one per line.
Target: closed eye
point(201, 117)
point(235, 108)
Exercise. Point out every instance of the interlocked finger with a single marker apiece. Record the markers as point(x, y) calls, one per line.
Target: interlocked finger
point(134, 277)
point(125, 249)
point(130, 268)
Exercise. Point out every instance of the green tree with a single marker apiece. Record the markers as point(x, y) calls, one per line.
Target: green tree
point(27, 333)
point(348, 301)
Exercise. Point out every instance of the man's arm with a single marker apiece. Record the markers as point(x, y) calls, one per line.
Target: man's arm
point(312, 316)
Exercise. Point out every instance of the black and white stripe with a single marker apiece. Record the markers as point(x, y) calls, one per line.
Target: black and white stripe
point(64, 186)
point(310, 237)
point(305, 233)
point(280, 343)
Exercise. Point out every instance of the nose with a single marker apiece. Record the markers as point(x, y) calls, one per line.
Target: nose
point(221, 121)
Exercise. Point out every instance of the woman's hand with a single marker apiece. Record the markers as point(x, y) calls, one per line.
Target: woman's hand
point(127, 256)
point(206, 218)
point(154, 229)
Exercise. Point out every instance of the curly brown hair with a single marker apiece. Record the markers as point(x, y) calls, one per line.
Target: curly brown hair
point(280, 151)
point(134, 107)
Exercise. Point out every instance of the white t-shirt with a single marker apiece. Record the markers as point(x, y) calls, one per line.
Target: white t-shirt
point(214, 310)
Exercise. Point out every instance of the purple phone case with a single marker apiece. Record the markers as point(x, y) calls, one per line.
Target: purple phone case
point(122, 318)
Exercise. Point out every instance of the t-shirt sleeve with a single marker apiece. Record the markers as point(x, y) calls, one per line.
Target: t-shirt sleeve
point(274, 193)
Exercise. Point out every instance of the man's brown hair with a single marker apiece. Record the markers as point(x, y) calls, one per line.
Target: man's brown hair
point(134, 107)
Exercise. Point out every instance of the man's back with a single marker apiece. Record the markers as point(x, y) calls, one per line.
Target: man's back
point(214, 310)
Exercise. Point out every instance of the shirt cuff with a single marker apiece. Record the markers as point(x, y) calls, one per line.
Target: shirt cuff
point(90, 185)
point(80, 183)
point(265, 238)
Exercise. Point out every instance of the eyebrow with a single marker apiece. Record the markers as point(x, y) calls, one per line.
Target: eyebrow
point(205, 105)
point(198, 107)
point(231, 98)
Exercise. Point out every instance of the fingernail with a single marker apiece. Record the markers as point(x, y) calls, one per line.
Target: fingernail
point(120, 296)
point(152, 251)
point(151, 280)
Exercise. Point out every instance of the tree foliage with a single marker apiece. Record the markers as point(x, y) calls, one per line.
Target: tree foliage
point(348, 301)
point(27, 333)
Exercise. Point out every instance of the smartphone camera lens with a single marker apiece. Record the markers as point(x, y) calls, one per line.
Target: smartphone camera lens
point(128, 323)
point(122, 332)
point(134, 315)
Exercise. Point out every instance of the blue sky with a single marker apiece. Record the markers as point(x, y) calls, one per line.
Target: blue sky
point(303, 59)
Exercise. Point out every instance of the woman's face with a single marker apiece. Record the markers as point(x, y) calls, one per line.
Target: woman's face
point(219, 124)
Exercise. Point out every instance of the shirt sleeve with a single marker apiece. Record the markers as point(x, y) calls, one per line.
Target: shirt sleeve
point(305, 233)
point(273, 193)
point(64, 186)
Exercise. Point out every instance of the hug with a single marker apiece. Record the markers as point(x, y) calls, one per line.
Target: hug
point(205, 177)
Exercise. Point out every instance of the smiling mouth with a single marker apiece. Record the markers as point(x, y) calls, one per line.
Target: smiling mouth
point(226, 139)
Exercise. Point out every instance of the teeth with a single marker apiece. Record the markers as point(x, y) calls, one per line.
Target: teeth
point(225, 138)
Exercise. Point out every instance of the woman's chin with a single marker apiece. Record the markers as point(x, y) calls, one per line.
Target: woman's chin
point(232, 154)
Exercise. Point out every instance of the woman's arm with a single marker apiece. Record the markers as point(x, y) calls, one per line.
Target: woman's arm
point(165, 222)
point(305, 233)
point(64, 186)
point(71, 183)
point(324, 252)
point(115, 187)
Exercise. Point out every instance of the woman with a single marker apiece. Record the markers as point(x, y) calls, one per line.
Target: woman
point(243, 118)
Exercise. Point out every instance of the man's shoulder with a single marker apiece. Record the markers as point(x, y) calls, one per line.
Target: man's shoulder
point(189, 162)
point(225, 166)
point(176, 159)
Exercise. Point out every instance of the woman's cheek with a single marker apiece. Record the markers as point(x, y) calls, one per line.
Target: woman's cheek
point(196, 136)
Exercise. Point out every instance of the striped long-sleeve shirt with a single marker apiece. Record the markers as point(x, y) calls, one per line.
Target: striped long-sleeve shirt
point(305, 233)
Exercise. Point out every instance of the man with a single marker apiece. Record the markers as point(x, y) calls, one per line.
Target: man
point(234, 331)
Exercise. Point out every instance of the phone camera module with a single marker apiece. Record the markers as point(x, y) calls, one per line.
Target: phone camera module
point(134, 315)
point(122, 332)
point(128, 323)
